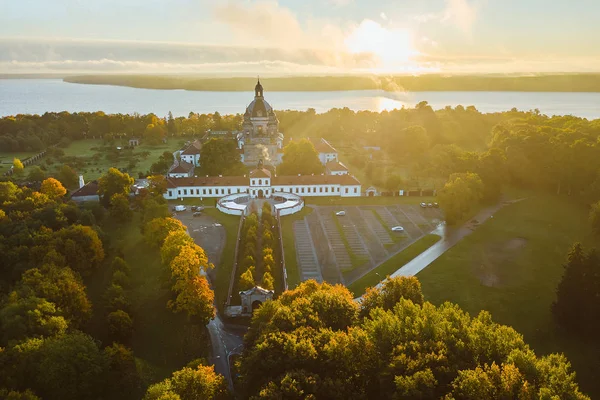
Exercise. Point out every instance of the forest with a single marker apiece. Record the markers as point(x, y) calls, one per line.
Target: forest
point(425, 82)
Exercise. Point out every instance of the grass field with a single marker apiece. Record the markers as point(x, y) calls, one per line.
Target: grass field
point(224, 269)
point(289, 246)
point(511, 266)
point(163, 341)
point(6, 159)
point(359, 287)
point(366, 201)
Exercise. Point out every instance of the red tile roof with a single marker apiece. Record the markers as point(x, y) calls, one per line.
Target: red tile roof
point(260, 173)
point(323, 146)
point(193, 148)
point(208, 181)
point(181, 167)
point(89, 189)
point(336, 166)
point(315, 180)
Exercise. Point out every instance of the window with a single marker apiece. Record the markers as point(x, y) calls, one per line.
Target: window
point(253, 182)
point(203, 191)
point(346, 190)
point(228, 191)
point(179, 192)
point(355, 190)
point(260, 181)
point(185, 192)
point(209, 191)
point(302, 190)
point(326, 190)
point(170, 193)
point(197, 191)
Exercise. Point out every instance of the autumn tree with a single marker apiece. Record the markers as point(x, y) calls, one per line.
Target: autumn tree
point(188, 262)
point(81, 247)
point(121, 372)
point(200, 383)
point(53, 188)
point(247, 279)
point(113, 182)
point(267, 281)
point(300, 157)
point(195, 298)
point(157, 230)
point(390, 294)
point(61, 286)
point(17, 167)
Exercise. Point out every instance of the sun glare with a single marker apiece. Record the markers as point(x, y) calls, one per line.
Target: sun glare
point(392, 48)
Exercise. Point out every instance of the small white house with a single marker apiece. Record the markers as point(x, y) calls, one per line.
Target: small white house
point(191, 154)
point(181, 169)
point(335, 168)
point(326, 151)
point(254, 298)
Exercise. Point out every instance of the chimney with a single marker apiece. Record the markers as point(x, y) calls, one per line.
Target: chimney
point(81, 181)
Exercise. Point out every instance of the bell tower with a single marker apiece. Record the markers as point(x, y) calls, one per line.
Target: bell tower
point(258, 90)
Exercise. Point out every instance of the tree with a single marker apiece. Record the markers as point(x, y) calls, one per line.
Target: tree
point(120, 265)
point(157, 230)
point(113, 182)
point(171, 126)
point(267, 281)
point(188, 263)
point(393, 183)
point(154, 134)
point(81, 247)
point(300, 157)
point(120, 326)
point(576, 307)
point(14, 395)
point(390, 293)
point(195, 298)
point(8, 192)
point(247, 279)
point(310, 343)
point(61, 286)
point(68, 177)
point(201, 383)
point(157, 185)
point(595, 217)
point(460, 194)
point(18, 167)
point(172, 245)
point(220, 157)
point(30, 317)
point(36, 174)
point(53, 188)
point(119, 208)
point(125, 382)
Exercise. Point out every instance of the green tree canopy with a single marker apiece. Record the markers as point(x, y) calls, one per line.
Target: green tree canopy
point(300, 157)
point(201, 383)
point(113, 182)
point(220, 157)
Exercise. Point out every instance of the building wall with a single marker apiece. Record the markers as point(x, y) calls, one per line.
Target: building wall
point(180, 175)
point(191, 158)
point(329, 172)
point(326, 157)
point(203, 191)
point(83, 199)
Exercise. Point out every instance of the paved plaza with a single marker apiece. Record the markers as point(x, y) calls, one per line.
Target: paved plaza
point(340, 249)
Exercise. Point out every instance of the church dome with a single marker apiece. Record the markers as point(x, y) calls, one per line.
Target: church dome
point(259, 107)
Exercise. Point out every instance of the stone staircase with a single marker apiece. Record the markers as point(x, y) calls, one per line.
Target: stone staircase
point(342, 258)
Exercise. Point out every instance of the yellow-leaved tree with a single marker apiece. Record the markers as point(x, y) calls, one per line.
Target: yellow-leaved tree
point(53, 188)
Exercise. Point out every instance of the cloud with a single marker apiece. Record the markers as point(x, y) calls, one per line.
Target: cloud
point(461, 13)
point(426, 17)
point(383, 16)
point(266, 23)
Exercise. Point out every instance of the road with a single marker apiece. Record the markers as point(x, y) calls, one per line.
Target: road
point(225, 340)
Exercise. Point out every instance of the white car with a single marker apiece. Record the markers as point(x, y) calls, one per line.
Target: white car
point(340, 213)
point(423, 205)
point(397, 229)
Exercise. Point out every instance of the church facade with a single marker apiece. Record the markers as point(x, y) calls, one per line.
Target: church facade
point(260, 138)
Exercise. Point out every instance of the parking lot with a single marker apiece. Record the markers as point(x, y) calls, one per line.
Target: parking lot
point(206, 232)
point(340, 249)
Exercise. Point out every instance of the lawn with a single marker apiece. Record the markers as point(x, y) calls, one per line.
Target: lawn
point(93, 168)
point(163, 341)
point(289, 246)
point(359, 287)
point(225, 267)
point(6, 159)
point(367, 201)
point(511, 266)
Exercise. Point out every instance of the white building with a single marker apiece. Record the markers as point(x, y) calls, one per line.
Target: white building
point(261, 184)
point(335, 168)
point(181, 169)
point(326, 151)
point(191, 154)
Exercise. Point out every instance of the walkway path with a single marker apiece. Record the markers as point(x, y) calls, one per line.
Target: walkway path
point(450, 237)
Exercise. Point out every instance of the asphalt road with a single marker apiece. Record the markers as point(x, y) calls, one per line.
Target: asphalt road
point(225, 340)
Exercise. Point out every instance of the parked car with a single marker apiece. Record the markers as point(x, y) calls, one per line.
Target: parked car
point(179, 208)
point(436, 205)
point(194, 208)
point(397, 229)
point(340, 213)
point(423, 205)
point(197, 214)
point(430, 205)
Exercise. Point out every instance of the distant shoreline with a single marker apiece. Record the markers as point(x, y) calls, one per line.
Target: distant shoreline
point(424, 83)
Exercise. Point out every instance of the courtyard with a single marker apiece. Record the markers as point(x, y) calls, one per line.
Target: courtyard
point(343, 248)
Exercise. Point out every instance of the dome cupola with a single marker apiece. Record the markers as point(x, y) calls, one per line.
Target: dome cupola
point(258, 89)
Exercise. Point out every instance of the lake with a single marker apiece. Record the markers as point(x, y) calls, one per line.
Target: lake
point(36, 96)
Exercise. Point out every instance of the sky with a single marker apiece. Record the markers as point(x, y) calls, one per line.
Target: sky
point(283, 37)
